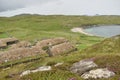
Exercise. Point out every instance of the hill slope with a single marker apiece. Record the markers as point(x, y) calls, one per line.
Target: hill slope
point(110, 45)
point(35, 27)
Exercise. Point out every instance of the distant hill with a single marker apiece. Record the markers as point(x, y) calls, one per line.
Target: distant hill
point(110, 45)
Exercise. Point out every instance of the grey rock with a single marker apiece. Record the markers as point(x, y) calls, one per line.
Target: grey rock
point(98, 73)
point(82, 66)
point(43, 68)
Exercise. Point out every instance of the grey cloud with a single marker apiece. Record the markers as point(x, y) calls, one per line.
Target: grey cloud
point(15, 4)
point(10, 4)
point(66, 7)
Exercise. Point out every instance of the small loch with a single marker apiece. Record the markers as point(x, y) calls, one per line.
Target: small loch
point(103, 31)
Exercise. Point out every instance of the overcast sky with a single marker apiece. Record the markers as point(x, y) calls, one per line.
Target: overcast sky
point(65, 7)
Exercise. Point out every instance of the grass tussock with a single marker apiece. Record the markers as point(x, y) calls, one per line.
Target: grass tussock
point(112, 62)
point(52, 75)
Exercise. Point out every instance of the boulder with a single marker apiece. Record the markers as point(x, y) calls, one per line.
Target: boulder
point(82, 66)
point(98, 73)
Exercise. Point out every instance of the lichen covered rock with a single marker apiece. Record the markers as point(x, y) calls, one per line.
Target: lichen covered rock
point(82, 66)
point(98, 73)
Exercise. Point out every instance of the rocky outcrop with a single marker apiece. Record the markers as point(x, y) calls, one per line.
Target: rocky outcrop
point(87, 69)
point(82, 66)
point(43, 68)
point(98, 73)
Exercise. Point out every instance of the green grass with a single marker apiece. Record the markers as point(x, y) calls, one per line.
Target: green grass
point(62, 71)
point(37, 27)
point(34, 27)
point(110, 45)
point(52, 75)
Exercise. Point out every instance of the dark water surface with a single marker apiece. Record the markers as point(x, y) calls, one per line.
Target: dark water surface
point(104, 31)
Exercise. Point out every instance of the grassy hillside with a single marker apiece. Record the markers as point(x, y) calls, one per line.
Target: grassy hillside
point(35, 27)
point(108, 58)
point(110, 45)
point(30, 27)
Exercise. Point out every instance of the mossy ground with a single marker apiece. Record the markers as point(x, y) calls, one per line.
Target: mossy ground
point(34, 27)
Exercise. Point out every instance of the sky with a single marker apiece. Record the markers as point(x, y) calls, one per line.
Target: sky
point(59, 7)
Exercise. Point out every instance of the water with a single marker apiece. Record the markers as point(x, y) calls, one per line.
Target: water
point(104, 31)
